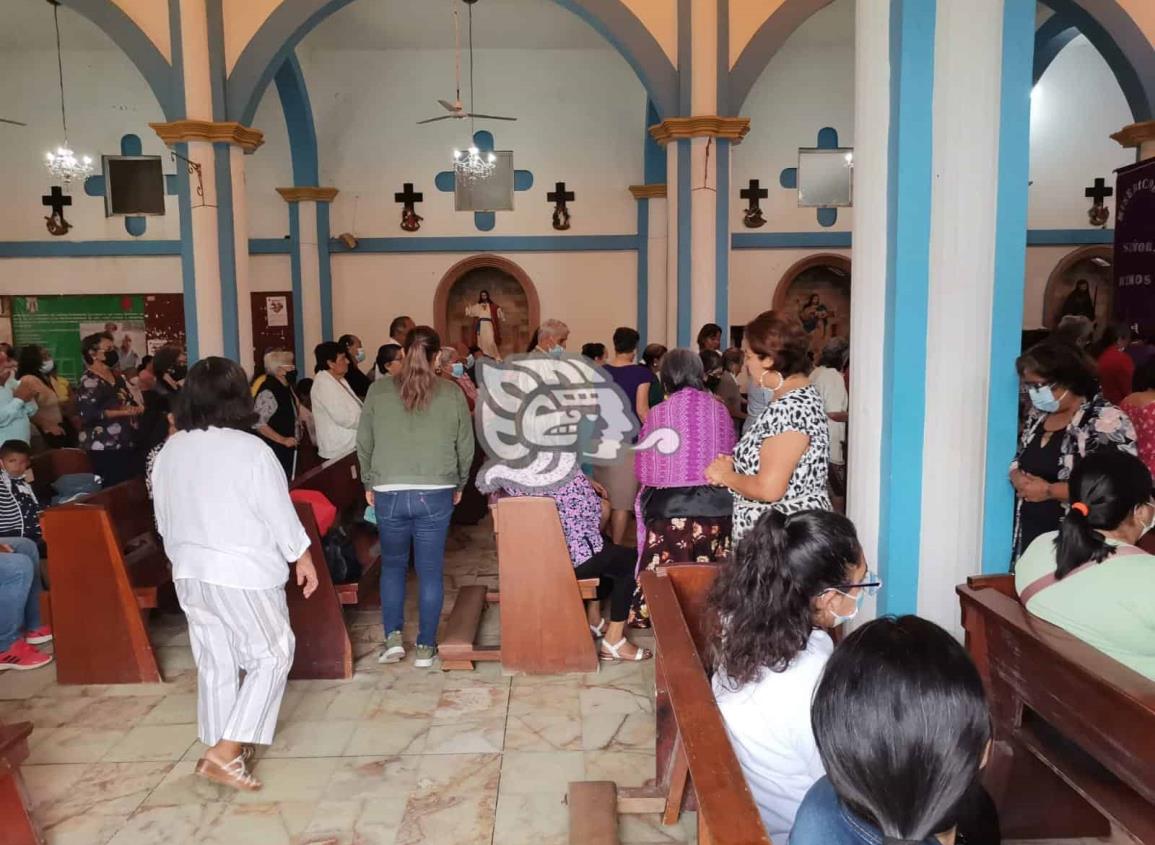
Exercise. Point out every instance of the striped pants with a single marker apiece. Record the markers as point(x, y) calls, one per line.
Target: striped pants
point(233, 630)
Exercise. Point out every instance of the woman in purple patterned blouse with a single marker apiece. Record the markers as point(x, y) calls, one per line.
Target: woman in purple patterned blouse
point(580, 508)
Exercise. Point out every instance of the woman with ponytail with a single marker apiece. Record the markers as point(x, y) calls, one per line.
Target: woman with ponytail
point(1088, 577)
point(415, 446)
point(793, 578)
point(903, 731)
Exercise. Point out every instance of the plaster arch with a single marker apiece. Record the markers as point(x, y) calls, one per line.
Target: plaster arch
point(477, 262)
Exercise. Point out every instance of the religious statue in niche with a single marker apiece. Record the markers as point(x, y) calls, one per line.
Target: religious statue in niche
point(487, 318)
point(559, 196)
point(57, 200)
point(1080, 302)
point(1098, 213)
point(410, 219)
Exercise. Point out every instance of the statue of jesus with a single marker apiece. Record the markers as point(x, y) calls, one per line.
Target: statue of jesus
point(487, 319)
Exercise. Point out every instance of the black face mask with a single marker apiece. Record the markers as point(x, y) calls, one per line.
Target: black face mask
point(178, 372)
point(111, 358)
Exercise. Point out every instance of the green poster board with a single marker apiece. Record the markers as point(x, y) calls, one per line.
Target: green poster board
point(60, 322)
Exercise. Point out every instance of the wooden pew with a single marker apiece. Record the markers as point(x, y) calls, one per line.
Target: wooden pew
point(1074, 730)
point(51, 465)
point(106, 569)
point(323, 648)
point(17, 827)
point(694, 754)
point(544, 629)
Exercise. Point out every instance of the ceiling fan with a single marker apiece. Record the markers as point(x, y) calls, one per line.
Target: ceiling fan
point(456, 109)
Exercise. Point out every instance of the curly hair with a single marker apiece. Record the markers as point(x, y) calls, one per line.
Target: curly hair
point(762, 603)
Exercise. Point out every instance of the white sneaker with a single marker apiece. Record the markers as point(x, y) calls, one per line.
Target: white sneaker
point(425, 655)
point(394, 649)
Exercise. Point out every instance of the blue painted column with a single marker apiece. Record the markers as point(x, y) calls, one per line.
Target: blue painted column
point(310, 267)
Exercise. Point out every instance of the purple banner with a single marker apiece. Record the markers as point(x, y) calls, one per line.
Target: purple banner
point(1135, 245)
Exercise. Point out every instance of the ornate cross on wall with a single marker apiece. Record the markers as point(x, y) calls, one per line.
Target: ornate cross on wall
point(446, 181)
point(753, 218)
point(1098, 213)
point(827, 140)
point(410, 219)
point(57, 200)
point(559, 196)
point(95, 186)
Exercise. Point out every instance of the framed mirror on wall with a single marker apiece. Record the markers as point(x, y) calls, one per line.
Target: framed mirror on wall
point(825, 177)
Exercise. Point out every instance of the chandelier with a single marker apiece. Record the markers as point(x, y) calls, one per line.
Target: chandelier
point(473, 164)
point(63, 165)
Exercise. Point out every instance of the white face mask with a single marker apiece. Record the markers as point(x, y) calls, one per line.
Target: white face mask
point(1149, 525)
point(47, 365)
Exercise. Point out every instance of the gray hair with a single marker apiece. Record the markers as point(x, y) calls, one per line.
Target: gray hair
point(834, 353)
point(277, 359)
point(554, 329)
point(682, 368)
point(1076, 329)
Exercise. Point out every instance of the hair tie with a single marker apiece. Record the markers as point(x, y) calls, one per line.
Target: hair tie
point(1081, 508)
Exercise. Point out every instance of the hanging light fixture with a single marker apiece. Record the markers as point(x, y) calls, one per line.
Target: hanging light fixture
point(470, 163)
point(63, 164)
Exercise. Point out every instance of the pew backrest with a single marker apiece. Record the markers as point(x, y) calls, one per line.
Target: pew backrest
point(130, 508)
point(339, 480)
point(323, 649)
point(727, 813)
point(51, 465)
point(1042, 680)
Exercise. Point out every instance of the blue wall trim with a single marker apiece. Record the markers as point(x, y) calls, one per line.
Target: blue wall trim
point(294, 94)
point(217, 73)
point(722, 239)
point(325, 271)
point(153, 66)
point(295, 275)
point(909, 176)
point(790, 240)
point(1069, 237)
point(176, 84)
point(87, 249)
point(187, 262)
point(1010, 268)
point(685, 57)
point(653, 153)
point(226, 249)
point(292, 20)
point(270, 246)
point(685, 246)
point(1050, 39)
point(494, 243)
point(643, 318)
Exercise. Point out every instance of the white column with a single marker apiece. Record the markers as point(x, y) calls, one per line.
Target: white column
point(703, 164)
point(206, 250)
point(868, 304)
point(673, 151)
point(658, 276)
point(311, 327)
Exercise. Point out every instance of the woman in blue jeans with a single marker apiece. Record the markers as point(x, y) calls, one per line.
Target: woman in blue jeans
point(20, 628)
point(415, 445)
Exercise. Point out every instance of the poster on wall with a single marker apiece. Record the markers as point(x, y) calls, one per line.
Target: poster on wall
point(1135, 245)
point(60, 322)
point(276, 311)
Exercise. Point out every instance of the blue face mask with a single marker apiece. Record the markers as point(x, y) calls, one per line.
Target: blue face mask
point(557, 352)
point(1043, 398)
point(839, 619)
point(360, 355)
point(458, 370)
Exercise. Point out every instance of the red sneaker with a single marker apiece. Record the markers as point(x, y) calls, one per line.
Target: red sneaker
point(38, 636)
point(22, 657)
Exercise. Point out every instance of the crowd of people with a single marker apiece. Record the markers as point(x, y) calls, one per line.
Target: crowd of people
point(881, 737)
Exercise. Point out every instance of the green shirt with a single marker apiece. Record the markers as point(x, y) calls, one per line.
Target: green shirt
point(433, 445)
point(1108, 605)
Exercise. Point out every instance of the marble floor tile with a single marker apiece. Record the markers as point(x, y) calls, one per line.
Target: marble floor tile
point(614, 699)
point(72, 745)
point(543, 731)
point(115, 712)
point(372, 778)
point(183, 787)
point(104, 789)
point(387, 734)
point(16, 685)
point(301, 780)
point(337, 704)
point(542, 773)
point(153, 742)
point(642, 830)
point(455, 800)
point(356, 822)
point(602, 731)
point(467, 736)
point(167, 825)
point(625, 768)
point(482, 701)
point(175, 709)
point(311, 739)
point(531, 819)
point(84, 829)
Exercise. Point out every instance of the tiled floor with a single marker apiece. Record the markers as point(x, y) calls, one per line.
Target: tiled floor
point(395, 755)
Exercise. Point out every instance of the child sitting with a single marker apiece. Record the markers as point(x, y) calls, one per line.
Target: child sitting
point(19, 508)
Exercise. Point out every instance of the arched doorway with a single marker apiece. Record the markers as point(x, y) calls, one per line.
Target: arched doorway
point(817, 291)
point(509, 287)
point(1091, 265)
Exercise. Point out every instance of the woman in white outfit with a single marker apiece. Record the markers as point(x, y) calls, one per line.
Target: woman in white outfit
point(222, 506)
point(336, 408)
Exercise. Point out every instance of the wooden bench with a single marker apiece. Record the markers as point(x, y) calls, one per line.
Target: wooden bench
point(544, 628)
point(17, 826)
point(694, 755)
point(323, 648)
point(1074, 730)
point(107, 570)
point(51, 465)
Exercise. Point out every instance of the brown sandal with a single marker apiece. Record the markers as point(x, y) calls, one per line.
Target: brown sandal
point(236, 774)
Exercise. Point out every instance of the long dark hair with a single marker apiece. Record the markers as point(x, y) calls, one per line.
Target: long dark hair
point(216, 394)
point(418, 378)
point(28, 364)
point(1111, 484)
point(901, 724)
point(765, 596)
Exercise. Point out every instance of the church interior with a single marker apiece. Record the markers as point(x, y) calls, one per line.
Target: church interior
point(923, 193)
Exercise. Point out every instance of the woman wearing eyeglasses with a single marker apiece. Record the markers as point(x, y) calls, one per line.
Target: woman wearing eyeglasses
point(1069, 419)
point(794, 577)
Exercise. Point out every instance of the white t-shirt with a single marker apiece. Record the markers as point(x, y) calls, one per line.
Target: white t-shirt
point(222, 506)
point(336, 414)
point(831, 386)
point(769, 726)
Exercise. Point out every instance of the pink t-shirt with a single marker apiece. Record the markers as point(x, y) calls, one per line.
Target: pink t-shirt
point(1144, 421)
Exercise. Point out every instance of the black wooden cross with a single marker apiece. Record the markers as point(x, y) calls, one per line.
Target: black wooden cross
point(753, 218)
point(57, 200)
point(559, 196)
point(410, 219)
point(1098, 213)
